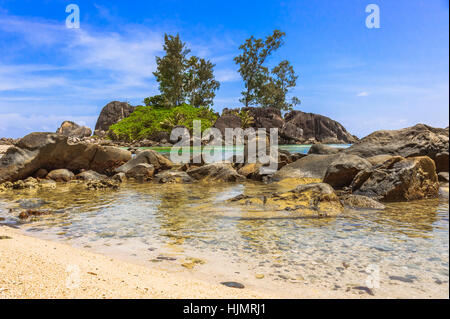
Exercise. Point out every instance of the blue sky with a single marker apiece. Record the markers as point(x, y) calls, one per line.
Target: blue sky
point(367, 79)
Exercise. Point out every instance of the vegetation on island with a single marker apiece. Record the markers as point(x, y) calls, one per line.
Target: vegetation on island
point(188, 87)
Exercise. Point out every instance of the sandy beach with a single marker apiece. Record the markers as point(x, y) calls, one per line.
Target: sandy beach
point(34, 268)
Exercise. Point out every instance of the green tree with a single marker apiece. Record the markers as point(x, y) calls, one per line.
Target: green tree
point(274, 92)
point(251, 64)
point(170, 72)
point(264, 88)
point(200, 83)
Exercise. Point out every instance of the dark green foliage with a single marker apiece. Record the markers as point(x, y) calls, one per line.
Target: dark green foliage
point(182, 79)
point(147, 120)
point(170, 72)
point(265, 88)
point(200, 82)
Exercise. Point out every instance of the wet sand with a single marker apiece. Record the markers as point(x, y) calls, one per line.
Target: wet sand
point(34, 268)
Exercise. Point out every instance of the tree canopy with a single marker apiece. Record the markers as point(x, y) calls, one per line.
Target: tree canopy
point(263, 87)
point(181, 78)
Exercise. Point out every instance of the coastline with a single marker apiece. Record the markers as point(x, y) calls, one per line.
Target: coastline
point(46, 269)
point(34, 268)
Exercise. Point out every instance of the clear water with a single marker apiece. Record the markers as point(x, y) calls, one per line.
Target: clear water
point(146, 223)
point(166, 225)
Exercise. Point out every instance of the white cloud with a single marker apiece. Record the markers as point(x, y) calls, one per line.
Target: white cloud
point(227, 75)
point(363, 94)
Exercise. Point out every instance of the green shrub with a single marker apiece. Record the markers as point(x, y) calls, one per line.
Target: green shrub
point(147, 120)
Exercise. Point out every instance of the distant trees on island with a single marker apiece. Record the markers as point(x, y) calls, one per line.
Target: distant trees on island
point(183, 79)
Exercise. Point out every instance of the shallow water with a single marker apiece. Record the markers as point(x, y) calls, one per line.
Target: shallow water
point(163, 225)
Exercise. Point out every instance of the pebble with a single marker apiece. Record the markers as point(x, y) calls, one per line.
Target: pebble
point(366, 289)
point(233, 284)
point(407, 278)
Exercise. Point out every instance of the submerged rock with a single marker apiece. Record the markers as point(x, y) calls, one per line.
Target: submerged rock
point(32, 213)
point(103, 184)
point(359, 201)
point(399, 180)
point(216, 172)
point(173, 177)
point(315, 199)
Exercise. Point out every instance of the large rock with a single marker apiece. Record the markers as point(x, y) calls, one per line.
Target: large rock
point(312, 166)
point(319, 128)
point(322, 149)
point(265, 117)
point(60, 175)
point(141, 172)
point(216, 172)
point(108, 158)
point(419, 140)
point(315, 199)
point(290, 131)
point(227, 120)
point(112, 113)
point(52, 151)
point(341, 172)
point(399, 180)
point(158, 161)
point(71, 129)
point(441, 161)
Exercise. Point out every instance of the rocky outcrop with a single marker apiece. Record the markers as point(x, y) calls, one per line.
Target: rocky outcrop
point(227, 120)
point(52, 151)
point(296, 127)
point(399, 179)
point(112, 113)
point(319, 128)
point(268, 117)
point(418, 140)
point(215, 172)
point(71, 129)
point(341, 172)
point(158, 162)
